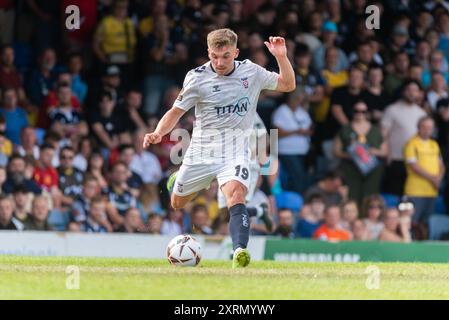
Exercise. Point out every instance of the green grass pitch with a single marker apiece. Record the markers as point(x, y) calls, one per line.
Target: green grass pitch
point(46, 278)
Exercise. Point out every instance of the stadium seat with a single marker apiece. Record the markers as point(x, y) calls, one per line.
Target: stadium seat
point(438, 225)
point(391, 200)
point(58, 220)
point(289, 200)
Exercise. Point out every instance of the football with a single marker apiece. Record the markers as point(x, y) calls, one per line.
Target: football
point(184, 250)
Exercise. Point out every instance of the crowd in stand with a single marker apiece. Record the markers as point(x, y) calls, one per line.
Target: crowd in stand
point(363, 140)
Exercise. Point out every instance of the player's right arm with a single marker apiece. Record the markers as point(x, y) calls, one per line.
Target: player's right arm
point(165, 125)
point(187, 98)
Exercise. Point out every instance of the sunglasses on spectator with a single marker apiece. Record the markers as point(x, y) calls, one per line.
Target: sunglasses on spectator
point(66, 157)
point(361, 111)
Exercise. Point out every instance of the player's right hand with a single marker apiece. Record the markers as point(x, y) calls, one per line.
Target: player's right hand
point(151, 138)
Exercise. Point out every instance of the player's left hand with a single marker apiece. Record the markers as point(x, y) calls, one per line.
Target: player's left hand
point(277, 47)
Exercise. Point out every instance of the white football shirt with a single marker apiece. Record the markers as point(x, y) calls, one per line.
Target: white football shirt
point(225, 110)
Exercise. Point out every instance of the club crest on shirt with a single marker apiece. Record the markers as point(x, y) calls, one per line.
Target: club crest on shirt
point(245, 82)
point(180, 187)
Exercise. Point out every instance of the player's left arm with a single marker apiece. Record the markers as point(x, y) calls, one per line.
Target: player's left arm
point(286, 80)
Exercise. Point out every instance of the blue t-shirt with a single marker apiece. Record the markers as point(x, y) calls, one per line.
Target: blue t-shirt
point(305, 229)
point(15, 121)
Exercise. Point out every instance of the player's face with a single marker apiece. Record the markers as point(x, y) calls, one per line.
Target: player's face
point(222, 59)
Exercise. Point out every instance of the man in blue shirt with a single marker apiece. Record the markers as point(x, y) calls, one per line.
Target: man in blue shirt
point(16, 117)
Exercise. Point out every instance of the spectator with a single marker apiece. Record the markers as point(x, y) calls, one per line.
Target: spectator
point(42, 80)
point(285, 224)
point(342, 106)
point(105, 124)
point(330, 230)
point(132, 222)
point(361, 148)
point(111, 84)
point(396, 229)
point(115, 39)
point(9, 75)
point(57, 97)
point(359, 231)
point(84, 151)
point(422, 55)
point(97, 218)
point(423, 22)
point(45, 174)
point(7, 220)
point(149, 199)
point(38, 219)
point(144, 163)
point(15, 117)
point(399, 124)
point(2, 178)
point(294, 128)
point(372, 211)
point(96, 167)
point(365, 55)
point(329, 34)
point(374, 94)
point(161, 52)
point(134, 182)
point(7, 17)
point(395, 79)
point(438, 63)
point(308, 82)
point(63, 118)
point(425, 170)
point(22, 201)
point(208, 198)
point(132, 117)
point(117, 192)
point(81, 205)
point(433, 39)
point(330, 187)
point(199, 220)
point(437, 91)
point(172, 225)
point(75, 67)
point(154, 224)
point(399, 42)
point(70, 179)
point(28, 143)
point(6, 146)
point(16, 176)
point(443, 26)
point(350, 213)
point(311, 216)
point(406, 209)
point(332, 79)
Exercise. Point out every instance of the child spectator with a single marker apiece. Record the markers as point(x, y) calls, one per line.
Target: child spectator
point(396, 229)
point(97, 219)
point(350, 214)
point(373, 208)
point(311, 216)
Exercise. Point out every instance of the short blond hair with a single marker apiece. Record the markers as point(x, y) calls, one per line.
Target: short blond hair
point(221, 38)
